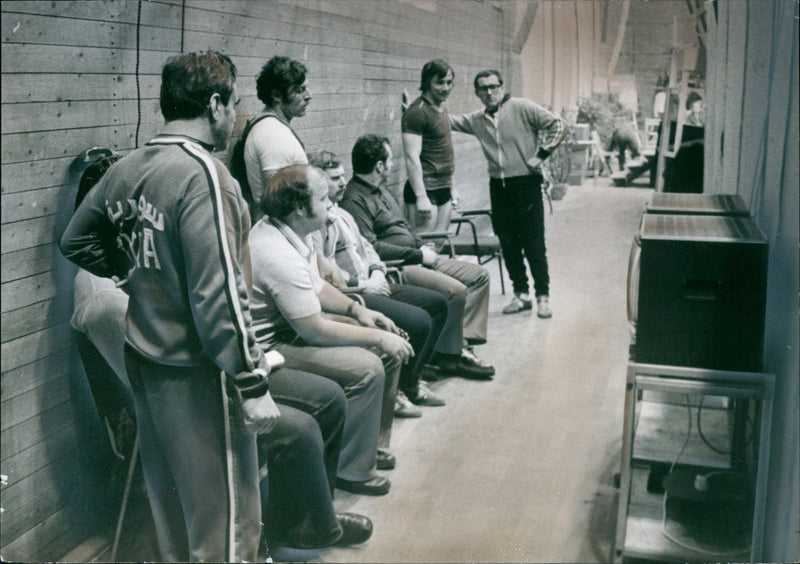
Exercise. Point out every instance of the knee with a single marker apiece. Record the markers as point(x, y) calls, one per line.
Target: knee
point(481, 278)
point(369, 367)
point(438, 310)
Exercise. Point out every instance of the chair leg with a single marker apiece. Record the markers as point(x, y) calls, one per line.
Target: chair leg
point(125, 496)
point(502, 277)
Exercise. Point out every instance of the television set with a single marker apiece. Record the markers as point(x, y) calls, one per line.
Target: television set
point(697, 291)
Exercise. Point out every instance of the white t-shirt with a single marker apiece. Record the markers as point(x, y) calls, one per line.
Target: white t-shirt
point(286, 281)
point(270, 146)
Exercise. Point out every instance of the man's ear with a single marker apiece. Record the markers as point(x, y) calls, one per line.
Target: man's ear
point(277, 96)
point(215, 106)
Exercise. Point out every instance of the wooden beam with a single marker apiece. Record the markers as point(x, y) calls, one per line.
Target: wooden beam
point(623, 23)
point(525, 27)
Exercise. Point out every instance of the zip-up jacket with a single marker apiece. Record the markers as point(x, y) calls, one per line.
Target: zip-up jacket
point(169, 220)
point(519, 131)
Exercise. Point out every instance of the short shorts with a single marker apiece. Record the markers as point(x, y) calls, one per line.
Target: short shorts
point(438, 197)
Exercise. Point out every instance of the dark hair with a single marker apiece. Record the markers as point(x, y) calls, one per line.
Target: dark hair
point(279, 73)
point(368, 151)
point(324, 159)
point(288, 190)
point(436, 68)
point(692, 98)
point(93, 174)
point(188, 81)
point(484, 74)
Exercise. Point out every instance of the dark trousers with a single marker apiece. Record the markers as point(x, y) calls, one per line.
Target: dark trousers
point(518, 222)
point(301, 454)
point(419, 312)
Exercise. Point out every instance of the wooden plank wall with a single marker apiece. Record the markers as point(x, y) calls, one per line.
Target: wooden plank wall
point(70, 82)
point(752, 150)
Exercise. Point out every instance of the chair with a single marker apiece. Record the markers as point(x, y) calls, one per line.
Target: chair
point(111, 395)
point(483, 247)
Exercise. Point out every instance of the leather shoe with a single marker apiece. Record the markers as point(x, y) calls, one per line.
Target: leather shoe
point(374, 486)
point(425, 396)
point(467, 366)
point(385, 460)
point(355, 528)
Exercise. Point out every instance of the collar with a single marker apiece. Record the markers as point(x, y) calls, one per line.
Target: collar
point(277, 115)
point(177, 138)
point(293, 238)
point(372, 188)
point(505, 99)
point(433, 106)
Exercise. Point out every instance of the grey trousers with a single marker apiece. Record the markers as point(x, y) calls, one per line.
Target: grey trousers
point(200, 464)
point(370, 386)
point(465, 286)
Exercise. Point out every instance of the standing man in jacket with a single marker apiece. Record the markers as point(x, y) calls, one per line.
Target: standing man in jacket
point(516, 136)
point(168, 221)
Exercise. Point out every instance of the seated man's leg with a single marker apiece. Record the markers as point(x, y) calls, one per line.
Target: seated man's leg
point(186, 432)
point(360, 374)
point(476, 310)
point(295, 496)
point(322, 399)
point(418, 323)
point(455, 294)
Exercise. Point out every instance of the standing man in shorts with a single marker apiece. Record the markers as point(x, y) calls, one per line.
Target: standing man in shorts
point(429, 149)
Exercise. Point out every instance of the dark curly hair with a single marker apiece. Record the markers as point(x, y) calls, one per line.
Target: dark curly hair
point(289, 189)
point(368, 151)
point(188, 81)
point(281, 74)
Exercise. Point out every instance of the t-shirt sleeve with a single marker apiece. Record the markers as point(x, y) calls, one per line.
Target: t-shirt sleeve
point(291, 282)
point(414, 121)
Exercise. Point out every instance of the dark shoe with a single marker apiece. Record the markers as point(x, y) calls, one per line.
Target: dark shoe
point(466, 366)
point(385, 460)
point(355, 528)
point(473, 367)
point(403, 408)
point(425, 397)
point(374, 486)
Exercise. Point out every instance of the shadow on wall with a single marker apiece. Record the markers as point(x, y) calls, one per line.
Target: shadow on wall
point(84, 460)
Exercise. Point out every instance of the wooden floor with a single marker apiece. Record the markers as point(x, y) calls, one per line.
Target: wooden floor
point(519, 469)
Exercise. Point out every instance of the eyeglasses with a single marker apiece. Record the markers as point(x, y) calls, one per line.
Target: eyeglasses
point(488, 87)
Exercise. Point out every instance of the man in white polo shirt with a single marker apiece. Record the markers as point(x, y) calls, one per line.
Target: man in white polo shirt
point(289, 298)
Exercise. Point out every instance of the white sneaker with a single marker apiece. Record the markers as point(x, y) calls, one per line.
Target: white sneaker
point(403, 407)
point(520, 302)
point(543, 309)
